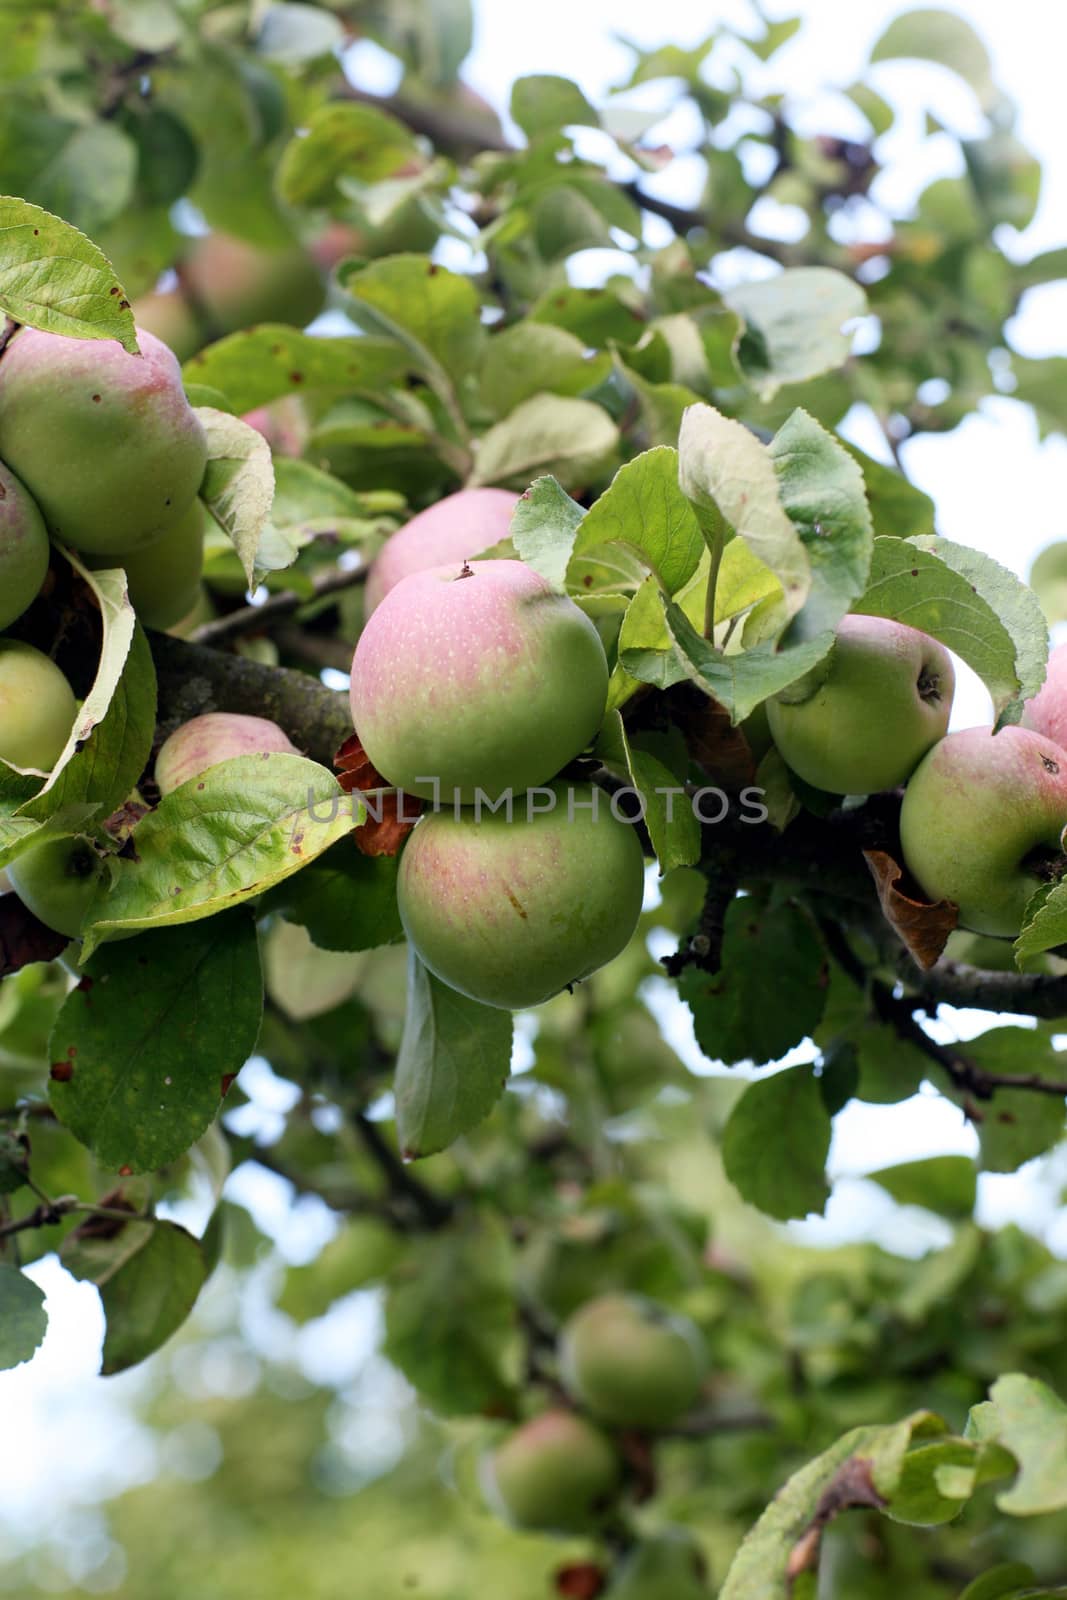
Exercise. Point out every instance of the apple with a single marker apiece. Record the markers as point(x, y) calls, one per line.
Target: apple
point(168, 314)
point(982, 821)
point(204, 741)
point(163, 578)
point(457, 528)
point(1046, 713)
point(234, 284)
point(510, 912)
point(37, 707)
point(105, 442)
point(57, 880)
point(668, 1566)
point(478, 677)
point(631, 1362)
point(23, 548)
point(556, 1473)
point(863, 721)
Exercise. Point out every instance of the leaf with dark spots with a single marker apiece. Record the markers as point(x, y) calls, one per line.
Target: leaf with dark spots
point(922, 927)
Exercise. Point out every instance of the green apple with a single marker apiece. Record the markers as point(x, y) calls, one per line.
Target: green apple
point(168, 314)
point(669, 1566)
point(457, 528)
point(510, 912)
point(236, 284)
point(631, 1362)
point(863, 721)
point(57, 880)
point(1046, 713)
point(556, 1473)
point(204, 741)
point(163, 578)
point(105, 442)
point(37, 707)
point(23, 548)
point(476, 678)
point(982, 823)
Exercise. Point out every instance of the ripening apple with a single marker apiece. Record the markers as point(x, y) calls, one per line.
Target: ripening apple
point(235, 284)
point(476, 677)
point(168, 314)
point(105, 442)
point(631, 1362)
point(863, 721)
point(557, 1473)
point(982, 822)
point(23, 548)
point(457, 528)
point(37, 707)
point(668, 1566)
point(510, 912)
point(57, 880)
point(1046, 713)
point(204, 741)
point(163, 578)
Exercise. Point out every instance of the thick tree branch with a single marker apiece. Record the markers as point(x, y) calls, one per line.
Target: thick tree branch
point(253, 619)
point(1033, 994)
point(194, 679)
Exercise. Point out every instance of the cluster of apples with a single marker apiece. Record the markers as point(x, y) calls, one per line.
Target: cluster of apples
point(627, 1364)
point(983, 814)
point(474, 685)
point(100, 450)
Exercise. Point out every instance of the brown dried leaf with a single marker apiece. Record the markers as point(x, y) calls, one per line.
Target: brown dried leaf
point(851, 1486)
point(582, 1580)
point(716, 745)
point(921, 926)
point(382, 835)
point(24, 940)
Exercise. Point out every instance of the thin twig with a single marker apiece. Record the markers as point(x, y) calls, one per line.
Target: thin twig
point(253, 618)
point(433, 1208)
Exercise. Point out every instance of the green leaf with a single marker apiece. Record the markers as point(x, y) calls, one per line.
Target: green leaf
point(105, 770)
point(1018, 1124)
point(742, 682)
point(823, 494)
point(52, 277)
point(793, 325)
point(90, 178)
point(534, 358)
point(861, 1469)
point(291, 34)
point(572, 439)
point(673, 826)
point(929, 34)
point(342, 140)
point(238, 484)
point(345, 900)
point(452, 1066)
point(23, 1318)
point(598, 317)
point(946, 1184)
point(150, 1297)
point(241, 827)
point(726, 472)
point(1043, 385)
point(898, 509)
point(972, 604)
point(644, 511)
point(1006, 178)
point(152, 1035)
point(433, 313)
point(1012, 1581)
point(451, 1322)
point(118, 623)
point(1045, 924)
point(262, 364)
point(732, 1022)
point(544, 103)
point(1027, 1418)
point(775, 1144)
point(543, 527)
point(363, 1252)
